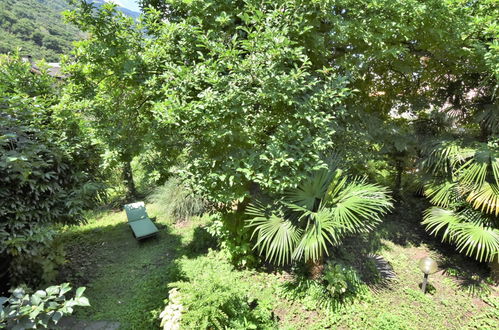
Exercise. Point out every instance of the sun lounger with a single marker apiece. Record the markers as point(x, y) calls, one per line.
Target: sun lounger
point(142, 227)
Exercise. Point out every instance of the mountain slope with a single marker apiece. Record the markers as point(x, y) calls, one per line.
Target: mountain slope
point(36, 27)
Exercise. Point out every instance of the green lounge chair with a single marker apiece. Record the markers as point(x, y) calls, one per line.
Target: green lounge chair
point(142, 227)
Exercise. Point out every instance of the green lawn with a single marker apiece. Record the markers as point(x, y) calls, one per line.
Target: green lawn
point(127, 280)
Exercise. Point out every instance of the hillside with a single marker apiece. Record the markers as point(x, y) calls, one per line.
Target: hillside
point(37, 28)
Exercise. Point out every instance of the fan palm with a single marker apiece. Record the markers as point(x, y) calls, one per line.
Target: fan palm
point(315, 216)
point(465, 192)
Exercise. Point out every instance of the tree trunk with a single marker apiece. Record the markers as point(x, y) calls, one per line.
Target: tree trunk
point(128, 178)
point(494, 269)
point(315, 268)
point(398, 178)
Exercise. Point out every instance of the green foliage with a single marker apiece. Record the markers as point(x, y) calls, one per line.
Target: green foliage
point(233, 238)
point(214, 297)
point(257, 91)
point(316, 215)
point(175, 199)
point(464, 190)
point(269, 108)
point(107, 84)
point(341, 281)
point(340, 285)
point(36, 27)
point(47, 170)
point(42, 308)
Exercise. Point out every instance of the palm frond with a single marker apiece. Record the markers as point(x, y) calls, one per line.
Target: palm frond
point(308, 193)
point(317, 215)
point(486, 198)
point(336, 185)
point(442, 194)
point(477, 241)
point(469, 230)
point(490, 117)
point(320, 233)
point(359, 206)
point(444, 157)
point(473, 173)
point(437, 219)
point(276, 237)
point(495, 169)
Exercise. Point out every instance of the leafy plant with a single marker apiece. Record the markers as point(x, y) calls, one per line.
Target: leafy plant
point(339, 284)
point(42, 308)
point(316, 215)
point(215, 297)
point(49, 169)
point(465, 191)
point(175, 199)
point(233, 238)
point(118, 105)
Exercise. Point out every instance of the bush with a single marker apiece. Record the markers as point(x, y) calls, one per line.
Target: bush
point(234, 239)
point(44, 307)
point(177, 200)
point(340, 284)
point(215, 297)
point(47, 171)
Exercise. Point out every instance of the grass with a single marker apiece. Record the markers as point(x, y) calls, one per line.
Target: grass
point(127, 280)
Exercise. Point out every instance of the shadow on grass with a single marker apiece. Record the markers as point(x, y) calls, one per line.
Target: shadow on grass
point(201, 243)
point(125, 278)
point(471, 276)
point(403, 227)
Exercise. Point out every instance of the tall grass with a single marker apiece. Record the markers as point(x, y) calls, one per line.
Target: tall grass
point(175, 199)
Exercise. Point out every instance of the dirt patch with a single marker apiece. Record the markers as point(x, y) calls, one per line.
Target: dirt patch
point(184, 223)
point(80, 266)
point(296, 315)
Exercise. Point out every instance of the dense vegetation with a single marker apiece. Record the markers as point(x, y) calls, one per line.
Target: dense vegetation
point(293, 128)
point(49, 171)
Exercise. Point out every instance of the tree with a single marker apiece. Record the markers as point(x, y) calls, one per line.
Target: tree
point(52, 42)
point(229, 67)
point(240, 89)
point(107, 82)
point(315, 216)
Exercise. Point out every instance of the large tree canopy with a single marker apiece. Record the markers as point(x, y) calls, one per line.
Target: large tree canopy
point(256, 92)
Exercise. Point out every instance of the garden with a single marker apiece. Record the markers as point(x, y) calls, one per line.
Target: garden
point(255, 165)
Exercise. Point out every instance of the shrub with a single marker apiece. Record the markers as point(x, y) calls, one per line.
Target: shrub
point(215, 297)
point(47, 170)
point(316, 215)
point(339, 284)
point(233, 239)
point(177, 200)
point(463, 189)
point(44, 307)
point(202, 241)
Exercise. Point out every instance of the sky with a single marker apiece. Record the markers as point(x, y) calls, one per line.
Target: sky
point(129, 4)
